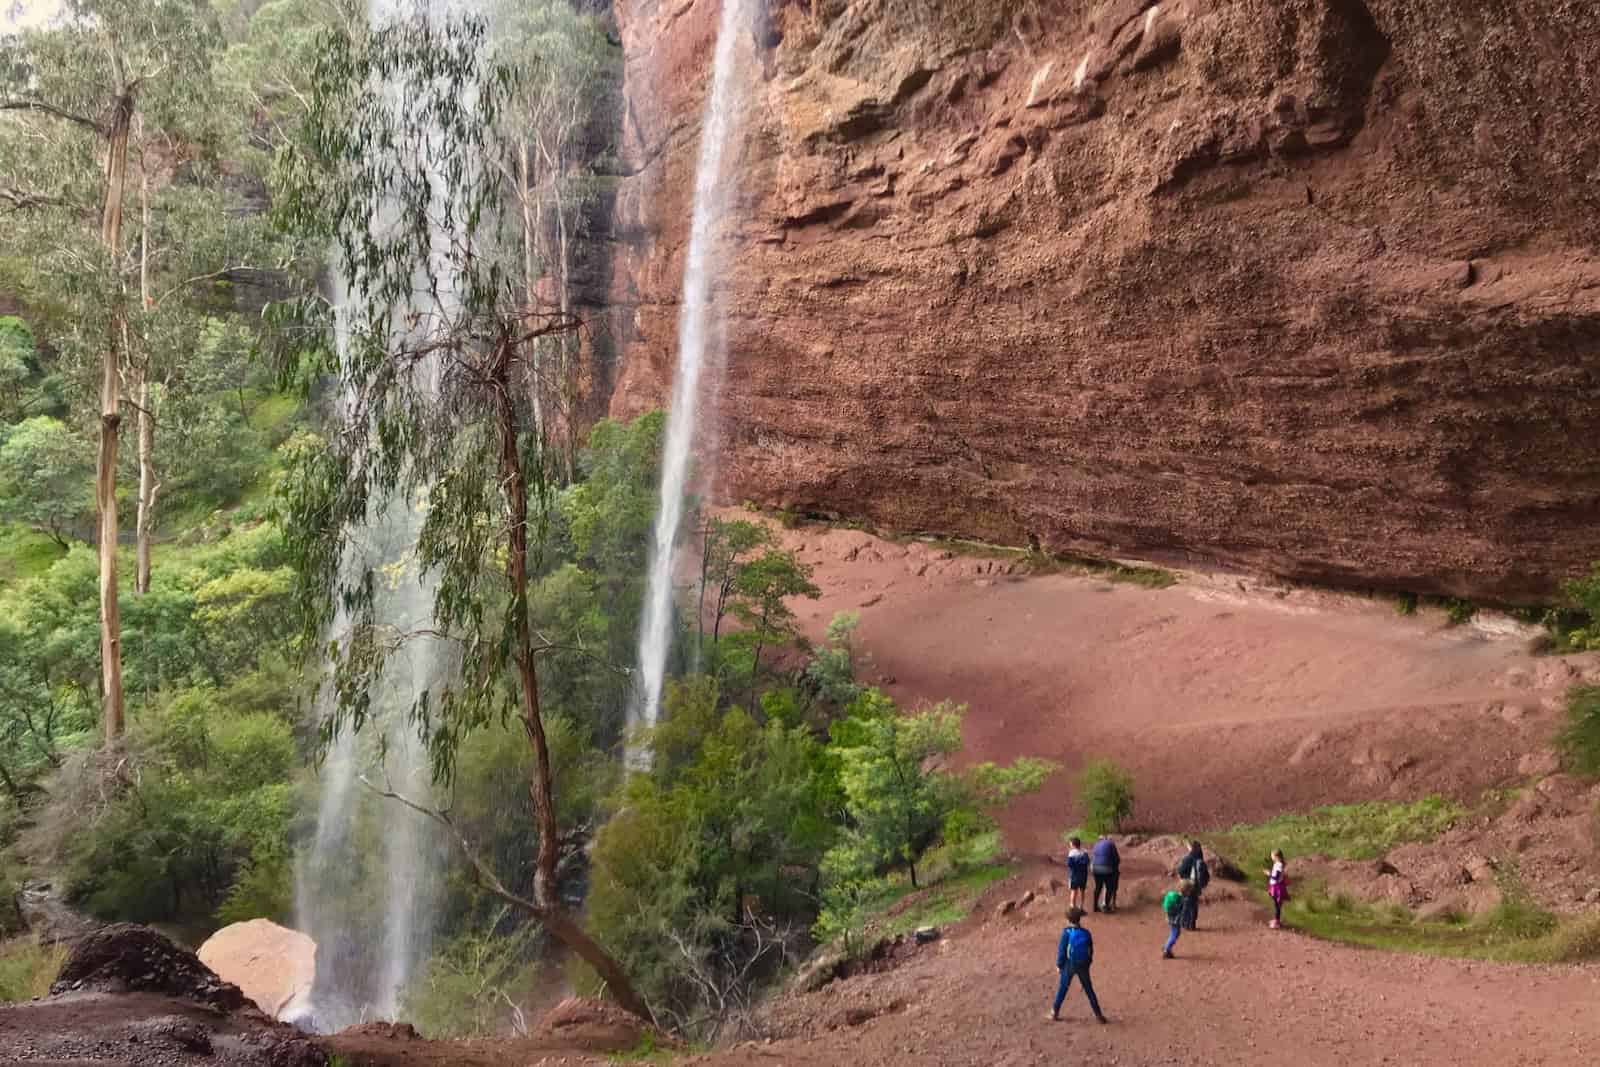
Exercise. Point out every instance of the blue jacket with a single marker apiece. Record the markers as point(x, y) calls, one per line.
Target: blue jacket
point(1105, 855)
point(1078, 865)
point(1085, 947)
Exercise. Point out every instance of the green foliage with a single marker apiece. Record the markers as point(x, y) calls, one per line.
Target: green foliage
point(898, 798)
point(1458, 611)
point(1515, 930)
point(197, 816)
point(1575, 626)
point(472, 986)
point(1146, 577)
point(1406, 604)
point(210, 802)
point(712, 854)
point(1579, 740)
point(27, 967)
point(1346, 831)
point(832, 670)
point(1105, 797)
point(24, 553)
point(45, 477)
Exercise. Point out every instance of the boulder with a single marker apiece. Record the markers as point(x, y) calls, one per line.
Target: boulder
point(273, 965)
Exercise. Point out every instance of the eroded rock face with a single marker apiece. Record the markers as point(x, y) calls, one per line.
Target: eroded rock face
point(1306, 286)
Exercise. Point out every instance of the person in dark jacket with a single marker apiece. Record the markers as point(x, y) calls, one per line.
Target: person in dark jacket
point(1077, 873)
point(1074, 954)
point(1106, 865)
point(1193, 870)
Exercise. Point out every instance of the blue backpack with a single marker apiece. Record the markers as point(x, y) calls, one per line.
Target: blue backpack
point(1080, 947)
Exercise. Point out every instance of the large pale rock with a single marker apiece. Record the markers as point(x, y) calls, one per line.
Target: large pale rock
point(273, 965)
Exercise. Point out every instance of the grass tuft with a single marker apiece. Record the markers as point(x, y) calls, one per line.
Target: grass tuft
point(27, 967)
point(1344, 831)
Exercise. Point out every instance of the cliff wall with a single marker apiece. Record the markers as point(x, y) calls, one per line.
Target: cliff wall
point(1308, 287)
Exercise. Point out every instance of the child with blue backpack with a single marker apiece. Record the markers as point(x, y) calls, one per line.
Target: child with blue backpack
point(1073, 956)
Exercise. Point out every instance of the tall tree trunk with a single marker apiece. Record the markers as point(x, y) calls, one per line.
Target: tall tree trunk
point(530, 279)
point(546, 891)
point(566, 380)
point(148, 487)
point(105, 482)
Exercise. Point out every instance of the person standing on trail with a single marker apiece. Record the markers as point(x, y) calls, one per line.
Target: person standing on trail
point(1074, 954)
point(1077, 873)
point(1172, 906)
point(1193, 870)
point(1107, 866)
point(1277, 888)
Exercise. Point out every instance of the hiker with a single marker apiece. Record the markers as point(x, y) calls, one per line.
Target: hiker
point(1193, 870)
point(1073, 956)
point(1172, 906)
point(1277, 888)
point(1106, 864)
point(1077, 873)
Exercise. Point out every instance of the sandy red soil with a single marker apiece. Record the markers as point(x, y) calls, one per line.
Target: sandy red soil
point(1228, 699)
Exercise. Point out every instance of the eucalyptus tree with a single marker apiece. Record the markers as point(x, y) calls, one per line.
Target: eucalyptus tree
point(569, 88)
point(402, 171)
point(79, 97)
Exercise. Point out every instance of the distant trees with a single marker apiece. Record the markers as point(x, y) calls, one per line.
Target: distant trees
point(44, 477)
point(112, 128)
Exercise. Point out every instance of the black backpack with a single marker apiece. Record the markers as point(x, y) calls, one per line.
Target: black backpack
point(1201, 875)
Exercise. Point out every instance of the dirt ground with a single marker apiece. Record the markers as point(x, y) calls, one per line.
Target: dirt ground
point(1229, 699)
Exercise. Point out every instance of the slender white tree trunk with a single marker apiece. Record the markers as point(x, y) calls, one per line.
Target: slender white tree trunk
point(105, 482)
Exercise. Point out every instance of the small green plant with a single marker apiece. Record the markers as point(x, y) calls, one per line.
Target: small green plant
point(1579, 740)
point(27, 967)
point(1146, 577)
point(1406, 604)
point(1459, 611)
point(1105, 797)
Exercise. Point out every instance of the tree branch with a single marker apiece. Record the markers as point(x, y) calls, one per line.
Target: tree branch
point(44, 108)
point(21, 199)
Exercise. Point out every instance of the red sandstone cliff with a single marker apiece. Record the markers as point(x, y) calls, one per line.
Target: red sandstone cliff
point(1306, 286)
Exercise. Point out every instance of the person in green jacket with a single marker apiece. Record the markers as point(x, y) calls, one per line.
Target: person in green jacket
point(1172, 906)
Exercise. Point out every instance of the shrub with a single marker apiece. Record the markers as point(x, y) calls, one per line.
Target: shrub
point(1105, 797)
point(1459, 611)
point(1406, 604)
point(27, 968)
point(1579, 740)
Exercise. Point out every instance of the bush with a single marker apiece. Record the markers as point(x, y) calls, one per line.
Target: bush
point(1459, 611)
point(1579, 740)
point(1105, 797)
point(1406, 604)
point(27, 968)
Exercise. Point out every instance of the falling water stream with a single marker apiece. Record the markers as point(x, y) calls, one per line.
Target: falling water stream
point(368, 889)
point(700, 349)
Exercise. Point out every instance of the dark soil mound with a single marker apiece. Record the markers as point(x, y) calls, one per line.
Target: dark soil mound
point(127, 958)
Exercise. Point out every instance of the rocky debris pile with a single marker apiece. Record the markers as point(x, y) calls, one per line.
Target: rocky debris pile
point(128, 958)
point(596, 1026)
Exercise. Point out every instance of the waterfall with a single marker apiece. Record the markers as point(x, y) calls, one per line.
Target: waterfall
point(700, 342)
point(368, 888)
